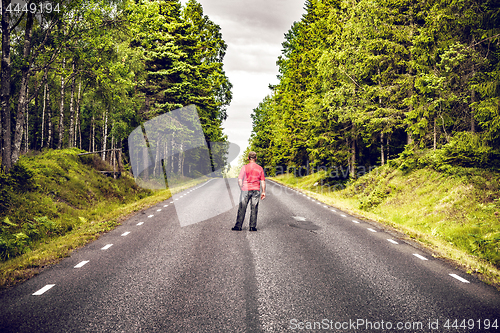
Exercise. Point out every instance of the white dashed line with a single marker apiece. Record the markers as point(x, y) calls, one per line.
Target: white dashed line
point(371, 230)
point(333, 210)
point(140, 223)
point(165, 206)
point(150, 216)
point(355, 221)
point(393, 241)
point(107, 247)
point(158, 210)
point(44, 289)
point(81, 264)
point(126, 233)
point(419, 256)
point(459, 278)
point(325, 206)
point(342, 215)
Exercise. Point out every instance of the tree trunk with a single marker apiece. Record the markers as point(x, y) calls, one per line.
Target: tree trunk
point(353, 157)
point(45, 88)
point(50, 125)
point(145, 159)
point(61, 109)
point(78, 128)
point(26, 136)
point(435, 135)
point(156, 170)
point(179, 162)
point(172, 167)
point(388, 152)
point(105, 134)
point(382, 148)
point(23, 98)
point(72, 110)
point(472, 121)
point(5, 90)
point(93, 133)
point(80, 134)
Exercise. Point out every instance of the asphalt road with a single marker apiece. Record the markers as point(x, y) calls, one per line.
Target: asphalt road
point(178, 267)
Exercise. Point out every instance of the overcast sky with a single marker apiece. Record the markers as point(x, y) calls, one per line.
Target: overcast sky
point(253, 31)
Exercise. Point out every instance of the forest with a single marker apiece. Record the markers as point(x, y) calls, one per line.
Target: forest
point(363, 82)
point(86, 73)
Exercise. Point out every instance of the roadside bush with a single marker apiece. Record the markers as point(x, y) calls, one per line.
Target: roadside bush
point(15, 240)
point(21, 178)
point(469, 150)
point(465, 150)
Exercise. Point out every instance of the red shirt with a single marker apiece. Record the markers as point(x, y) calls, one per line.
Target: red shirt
point(251, 174)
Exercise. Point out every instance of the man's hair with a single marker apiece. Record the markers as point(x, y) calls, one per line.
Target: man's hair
point(252, 155)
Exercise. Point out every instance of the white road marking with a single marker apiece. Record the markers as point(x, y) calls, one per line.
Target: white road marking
point(158, 210)
point(319, 203)
point(44, 289)
point(371, 230)
point(459, 278)
point(342, 215)
point(150, 216)
point(355, 221)
point(299, 218)
point(165, 206)
point(107, 247)
point(393, 241)
point(176, 199)
point(325, 206)
point(81, 264)
point(126, 233)
point(140, 223)
point(333, 210)
point(171, 202)
point(420, 257)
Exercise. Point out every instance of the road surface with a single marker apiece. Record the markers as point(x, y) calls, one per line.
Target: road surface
point(178, 267)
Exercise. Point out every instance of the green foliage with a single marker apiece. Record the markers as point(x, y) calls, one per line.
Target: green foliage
point(468, 149)
point(21, 178)
point(375, 198)
point(364, 82)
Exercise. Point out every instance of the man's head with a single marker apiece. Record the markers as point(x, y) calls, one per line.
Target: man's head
point(252, 156)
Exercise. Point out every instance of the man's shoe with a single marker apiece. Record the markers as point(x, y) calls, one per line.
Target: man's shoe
point(253, 229)
point(236, 229)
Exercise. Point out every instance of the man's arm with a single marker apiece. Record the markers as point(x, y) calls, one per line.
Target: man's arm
point(263, 186)
point(240, 182)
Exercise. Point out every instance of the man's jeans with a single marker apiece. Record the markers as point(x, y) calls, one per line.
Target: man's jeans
point(245, 197)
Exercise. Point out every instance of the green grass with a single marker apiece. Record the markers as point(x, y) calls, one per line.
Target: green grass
point(455, 213)
point(57, 202)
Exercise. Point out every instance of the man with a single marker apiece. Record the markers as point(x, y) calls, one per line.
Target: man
point(250, 180)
